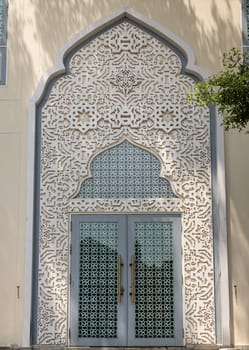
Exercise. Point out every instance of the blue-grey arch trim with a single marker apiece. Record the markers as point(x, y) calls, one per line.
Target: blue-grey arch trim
point(38, 108)
point(36, 228)
point(215, 225)
point(179, 53)
point(68, 56)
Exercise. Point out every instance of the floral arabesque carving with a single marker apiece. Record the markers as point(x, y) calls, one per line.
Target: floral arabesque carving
point(124, 84)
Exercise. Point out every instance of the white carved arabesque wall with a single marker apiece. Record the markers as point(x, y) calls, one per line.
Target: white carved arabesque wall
point(124, 84)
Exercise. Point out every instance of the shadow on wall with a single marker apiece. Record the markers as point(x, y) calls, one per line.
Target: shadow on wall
point(66, 16)
point(43, 29)
point(44, 26)
point(189, 18)
point(19, 58)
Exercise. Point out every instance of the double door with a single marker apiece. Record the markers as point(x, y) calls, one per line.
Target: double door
point(126, 282)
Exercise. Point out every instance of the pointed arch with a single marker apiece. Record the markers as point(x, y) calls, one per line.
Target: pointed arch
point(61, 69)
point(110, 169)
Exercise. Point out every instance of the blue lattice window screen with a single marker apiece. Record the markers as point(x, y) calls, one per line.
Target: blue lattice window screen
point(3, 40)
point(154, 300)
point(125, 171)
point(2, 22)
point(98, 280)
point(247, 19)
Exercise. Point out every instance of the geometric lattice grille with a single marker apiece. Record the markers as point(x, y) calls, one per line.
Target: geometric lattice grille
point(98, 280)
point(3, 40)
point(2, 21)
point(247, 18)
point(154, 306)
point(125, 171)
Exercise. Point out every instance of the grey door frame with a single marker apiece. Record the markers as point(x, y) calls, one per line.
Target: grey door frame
point(126, 310)
point(177, 282)
point(74, 298)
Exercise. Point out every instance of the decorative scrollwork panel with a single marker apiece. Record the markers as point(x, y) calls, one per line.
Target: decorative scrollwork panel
point(125, 84)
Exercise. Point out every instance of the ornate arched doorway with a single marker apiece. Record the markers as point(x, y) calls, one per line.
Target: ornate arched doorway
point(124, 86)
point(126, 273)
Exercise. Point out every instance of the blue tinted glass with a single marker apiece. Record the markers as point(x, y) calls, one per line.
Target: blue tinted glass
point(125, 171)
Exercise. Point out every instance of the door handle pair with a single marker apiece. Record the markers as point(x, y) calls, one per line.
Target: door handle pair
point(121, 290)
point(132, 293)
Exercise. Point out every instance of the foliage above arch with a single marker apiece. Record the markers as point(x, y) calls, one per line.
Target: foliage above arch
point(228, 90)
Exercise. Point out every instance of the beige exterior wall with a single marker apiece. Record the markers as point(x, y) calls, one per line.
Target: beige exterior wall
point(238, 228)
point(37, 29)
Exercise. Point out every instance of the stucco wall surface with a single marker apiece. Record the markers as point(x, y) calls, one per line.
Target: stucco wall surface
point(37, 29)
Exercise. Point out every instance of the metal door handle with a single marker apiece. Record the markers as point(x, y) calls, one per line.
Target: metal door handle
point(120, 288)
point(132, 265)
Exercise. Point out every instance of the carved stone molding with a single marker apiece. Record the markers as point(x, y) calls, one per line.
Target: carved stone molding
point(124, 84)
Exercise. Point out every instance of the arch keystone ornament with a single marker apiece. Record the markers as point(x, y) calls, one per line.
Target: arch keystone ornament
point(124, 83)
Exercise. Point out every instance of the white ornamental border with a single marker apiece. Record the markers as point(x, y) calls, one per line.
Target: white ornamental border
point(58, 69)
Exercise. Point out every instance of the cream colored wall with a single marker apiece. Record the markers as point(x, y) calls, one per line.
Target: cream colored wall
point(37, 29)
point(237, 146)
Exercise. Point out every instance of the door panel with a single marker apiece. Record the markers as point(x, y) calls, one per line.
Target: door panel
point(97, 311)
point(155, 244)
point(126, 280)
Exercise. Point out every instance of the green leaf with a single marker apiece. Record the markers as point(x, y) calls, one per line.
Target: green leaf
point(228, 90)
